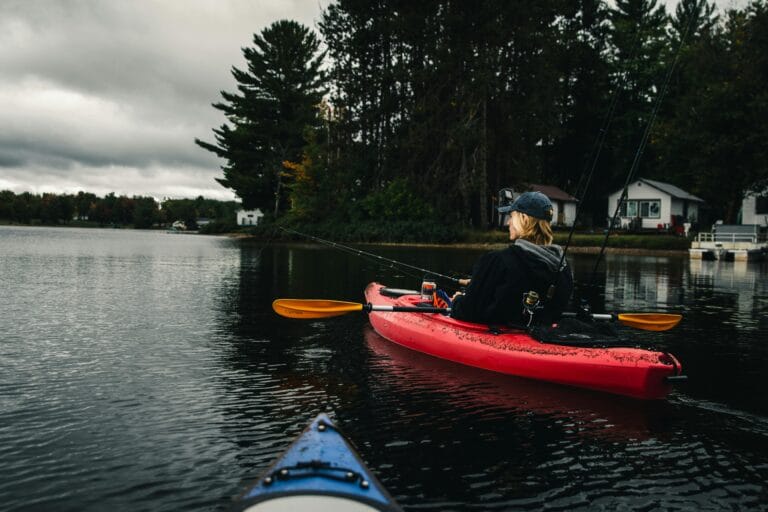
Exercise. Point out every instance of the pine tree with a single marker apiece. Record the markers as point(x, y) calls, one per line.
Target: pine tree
point(693, 19)
point(583, 110)
point(275, 103)
point(694, 36)
point(639, 39)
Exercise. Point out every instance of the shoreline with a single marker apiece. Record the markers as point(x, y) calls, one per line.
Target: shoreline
point(475, 246)
point(572, 249)
point(479, 246)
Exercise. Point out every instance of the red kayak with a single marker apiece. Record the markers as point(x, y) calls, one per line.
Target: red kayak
point(625, 371)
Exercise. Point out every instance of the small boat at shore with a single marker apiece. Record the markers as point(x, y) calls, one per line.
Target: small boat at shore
point(320, 471)
point(627, 371)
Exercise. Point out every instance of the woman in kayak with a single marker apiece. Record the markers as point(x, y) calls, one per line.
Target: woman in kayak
point(499, 291)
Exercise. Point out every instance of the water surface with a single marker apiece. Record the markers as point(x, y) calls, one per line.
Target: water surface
point(146, 371)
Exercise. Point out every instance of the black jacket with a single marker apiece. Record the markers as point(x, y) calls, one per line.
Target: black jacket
point(500, 280)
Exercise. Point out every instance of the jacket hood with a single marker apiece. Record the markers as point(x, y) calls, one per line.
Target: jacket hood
point(541, 258)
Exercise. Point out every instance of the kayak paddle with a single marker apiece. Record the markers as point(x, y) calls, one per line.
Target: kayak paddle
point(643, 321)
point(323, 308)
point(650, 321)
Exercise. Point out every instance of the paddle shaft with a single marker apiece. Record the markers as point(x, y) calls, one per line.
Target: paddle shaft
point(593, 316)
point(405, 309)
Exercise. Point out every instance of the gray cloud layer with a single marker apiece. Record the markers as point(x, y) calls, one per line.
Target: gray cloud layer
point(108, 96)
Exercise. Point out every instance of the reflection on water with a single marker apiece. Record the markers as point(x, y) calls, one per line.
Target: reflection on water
point(146, 371)
point(741, 287)
point(574, 410)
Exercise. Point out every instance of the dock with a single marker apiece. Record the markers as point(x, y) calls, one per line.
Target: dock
point(731, 242)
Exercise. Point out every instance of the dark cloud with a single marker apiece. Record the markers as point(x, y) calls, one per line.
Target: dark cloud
point(10, 160)
point(98, 94)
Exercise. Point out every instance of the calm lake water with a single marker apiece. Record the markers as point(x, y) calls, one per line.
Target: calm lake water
point(147, 371)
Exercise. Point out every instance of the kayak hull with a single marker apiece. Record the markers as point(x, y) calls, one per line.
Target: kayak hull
point(320, 471)
point(632, 372)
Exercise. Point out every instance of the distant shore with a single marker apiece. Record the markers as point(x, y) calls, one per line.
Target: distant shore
point(479, 246)
point(637, 251)
point(582, 243)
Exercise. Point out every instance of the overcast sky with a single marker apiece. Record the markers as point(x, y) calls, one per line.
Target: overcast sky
point(109, 95)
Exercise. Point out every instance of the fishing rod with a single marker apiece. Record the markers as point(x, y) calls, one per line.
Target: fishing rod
point(582, 190)
point(641, 147)
point(359, 252)
point(584, 306)
point(585, 181)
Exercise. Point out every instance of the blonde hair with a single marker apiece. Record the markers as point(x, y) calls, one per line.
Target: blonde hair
point(537, 231)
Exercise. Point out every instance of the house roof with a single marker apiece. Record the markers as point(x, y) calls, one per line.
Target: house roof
point(671, 190)
point(553, 192)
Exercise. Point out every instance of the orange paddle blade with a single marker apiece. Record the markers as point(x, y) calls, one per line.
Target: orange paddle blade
point(650, 321)
point(314, 308)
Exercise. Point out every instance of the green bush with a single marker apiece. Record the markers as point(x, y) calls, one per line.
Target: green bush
point(403, 231)
point(397, 202)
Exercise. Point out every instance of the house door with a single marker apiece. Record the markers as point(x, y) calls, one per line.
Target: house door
point(560, 213)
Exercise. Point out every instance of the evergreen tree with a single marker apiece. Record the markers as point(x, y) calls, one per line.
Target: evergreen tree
point(7, 198)
point(145, 212)
point(455, 100)
point(451, 96)
point(639, 41)
point(586, 95)
point(694, 38)
point(84, 202)
point(276, 102)
point(732, 136)
point(693, 19)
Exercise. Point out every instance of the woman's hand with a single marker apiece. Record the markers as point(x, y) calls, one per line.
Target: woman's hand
point(464, 282)
point(455, 295)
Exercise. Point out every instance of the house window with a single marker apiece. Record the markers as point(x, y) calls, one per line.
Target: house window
point(650, 209)
point(645, 209)
point(628, 209)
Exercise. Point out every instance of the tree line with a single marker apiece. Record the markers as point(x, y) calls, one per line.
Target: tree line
point(141, 212)
point(420, 112)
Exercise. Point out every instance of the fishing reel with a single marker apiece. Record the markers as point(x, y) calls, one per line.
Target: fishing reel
point(584, 311)
point(531, 304)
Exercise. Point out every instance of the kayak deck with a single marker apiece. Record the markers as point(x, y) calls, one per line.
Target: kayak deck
point(625, 371)
point(320, 471)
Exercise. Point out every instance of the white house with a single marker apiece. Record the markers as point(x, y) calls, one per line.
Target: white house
point(654, 204)
point(754, 208)
point(249, 217)
point(564, 204)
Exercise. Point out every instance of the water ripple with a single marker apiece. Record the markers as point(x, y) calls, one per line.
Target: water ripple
point(147, 372)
